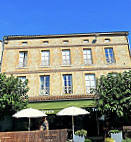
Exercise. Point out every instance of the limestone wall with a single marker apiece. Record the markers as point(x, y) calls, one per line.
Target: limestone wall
point(56, 70)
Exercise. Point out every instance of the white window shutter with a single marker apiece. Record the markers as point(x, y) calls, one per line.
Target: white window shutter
point(21, 58)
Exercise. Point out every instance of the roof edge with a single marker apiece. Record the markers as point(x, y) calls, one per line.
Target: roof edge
point(19, 37)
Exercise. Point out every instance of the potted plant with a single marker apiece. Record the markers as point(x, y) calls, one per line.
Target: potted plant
point(80, 135)
point(116, 135)
point(109, 140)
point(126, 140)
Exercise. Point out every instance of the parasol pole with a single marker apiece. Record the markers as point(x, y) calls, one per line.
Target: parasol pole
point(29, 125)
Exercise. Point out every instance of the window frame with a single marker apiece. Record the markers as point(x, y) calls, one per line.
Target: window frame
point(107, 40)
point(66, 61)
point(89, 87)
point(21, 78)
point(43, 61)
point(65, 41)
point(67, 87)
point(23, 60)
point(46, 88)
point(108, 55)
point(87, 61)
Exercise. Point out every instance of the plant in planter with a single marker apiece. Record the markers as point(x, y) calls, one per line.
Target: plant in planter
point(116, 135)
point(109, 140)
point(80, 135)
point(126, 140)
point(114, 131)
point(87, 140)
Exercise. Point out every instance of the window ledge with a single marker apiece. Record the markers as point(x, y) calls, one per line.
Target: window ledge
point(21, 67)
point(44, 95)
point(110, 63)
point(88, 64)
point(67, 94)
point(44, 66)
point(90, 93)
point(66, 65)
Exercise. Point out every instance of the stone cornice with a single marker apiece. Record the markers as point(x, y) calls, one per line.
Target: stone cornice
point(59, 98)
point(66, 70)
point(19, 37)
point(62, 46)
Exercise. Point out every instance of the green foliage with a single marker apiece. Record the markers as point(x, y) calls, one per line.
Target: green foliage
point(126, 140)
point(114, 93)
point(109, 140)
point(13, 93)
point(87, 140)
point(114, 131)
point(81, 133)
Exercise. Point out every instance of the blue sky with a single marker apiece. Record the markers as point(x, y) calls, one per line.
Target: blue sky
point(40, 17)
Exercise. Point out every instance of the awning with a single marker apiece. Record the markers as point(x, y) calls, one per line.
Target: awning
point(54, 107)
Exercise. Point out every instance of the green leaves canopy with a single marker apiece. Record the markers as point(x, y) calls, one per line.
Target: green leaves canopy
point(13, 93)
point(114, 93)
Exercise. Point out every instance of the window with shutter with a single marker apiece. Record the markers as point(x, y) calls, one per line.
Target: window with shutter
point(45, 58)
point(23, 59)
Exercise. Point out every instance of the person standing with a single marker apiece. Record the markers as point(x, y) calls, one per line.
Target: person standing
point(45, 125)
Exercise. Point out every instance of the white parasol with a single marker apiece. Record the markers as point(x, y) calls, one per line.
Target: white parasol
point(29, 113)
point(72, 111)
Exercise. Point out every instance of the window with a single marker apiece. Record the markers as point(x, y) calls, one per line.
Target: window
point(90, 82)
point(45, 58)
point(44, 85)
point(109, 55)
point(87, 56)
point(66, 57)
point(86, 40)
point(65, 41)
point(22, 78)
point(67, 81)
point(113, 74)
point(23, 59)
point(107, 40)
point(45, 42)
point(25, 42)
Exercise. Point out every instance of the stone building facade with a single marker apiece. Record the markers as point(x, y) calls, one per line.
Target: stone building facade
point(61, 69)
point(0, 53)
point(60, 65)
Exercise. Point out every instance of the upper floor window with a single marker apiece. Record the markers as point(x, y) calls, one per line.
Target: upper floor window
point(22, 78)
point(67, 82)
point(66, 57)
point(45, 58)
point(23, 59)
point(45, 42)
point(24, 42)
point(86, 40)
point(90, 82)
point(87, 56)
point(65, 41)
point(109, 55)
point(107, 40)
point(44, 85)
point(113, 74)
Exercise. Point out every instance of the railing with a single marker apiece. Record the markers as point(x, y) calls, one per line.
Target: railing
point(68, 90)
point(66, 62)
point(23, 64)
point(45, 63)
point(35, 136)
point(44, 91)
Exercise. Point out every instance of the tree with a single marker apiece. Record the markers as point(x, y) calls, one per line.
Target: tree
point(13, 94)
point(114, 95)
